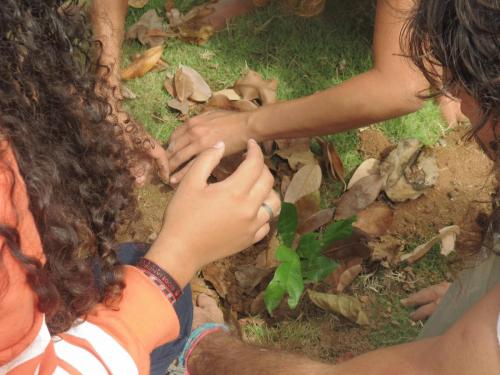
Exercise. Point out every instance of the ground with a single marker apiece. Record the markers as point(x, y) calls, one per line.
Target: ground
point(307, 55)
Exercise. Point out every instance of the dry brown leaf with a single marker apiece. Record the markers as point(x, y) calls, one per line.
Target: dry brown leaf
point(297, 154)
point(387, 250)
point(183, 85)
point(244, 105)
point(298, 143)
point(127, 93)
point(201, 92)
point(366, 168)
point(143, 64)
point(307, 206)
point(253, 87)
point(199, 286)
point(285, 182)
point(160, 66)
point(447, 233)
point(333, 279)
point(169, 5)
point(137, 3)
point(352, 247)
point(347, 306)
point(335, 165)
point(448, 237)
point(228, 166)
point(359, 196)
point(230, 94)
point(248, 276)
point(267, 258)
point(192, 26)
point(306, 181)
point(168, 84)
point(214, 274)
point(316, 221)
point(148, 30)
point(375, 220)
point(182, 107)
point(348, 276)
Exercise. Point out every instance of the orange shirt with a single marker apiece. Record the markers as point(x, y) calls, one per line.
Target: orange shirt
point(108, 342)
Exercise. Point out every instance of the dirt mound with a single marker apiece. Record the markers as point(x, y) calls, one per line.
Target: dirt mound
point(462, 195)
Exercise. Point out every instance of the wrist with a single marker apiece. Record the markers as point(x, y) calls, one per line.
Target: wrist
point(254, 125)
point(174, 258)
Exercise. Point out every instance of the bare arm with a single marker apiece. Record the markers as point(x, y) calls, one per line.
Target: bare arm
point(386, 91)
point(469, 347)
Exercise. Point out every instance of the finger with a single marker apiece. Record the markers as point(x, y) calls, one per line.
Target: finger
point(176, 134)
point(183, 156)
point(204, 164)
point(426, 295)
point(273, 201)
point(160, 156)
point(249, 170)
point(178, 176)
point(262, 232)
point(424, 312)
point(174, 146)
point(263, 186)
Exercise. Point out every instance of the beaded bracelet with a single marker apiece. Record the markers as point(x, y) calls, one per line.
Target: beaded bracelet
point(194, 339)
point(161, 278)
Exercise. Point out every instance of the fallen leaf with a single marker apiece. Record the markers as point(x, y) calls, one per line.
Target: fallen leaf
point(201, 92)
point(127, 93)
point(316, 221)
point(366, 168)
point(253, 87)
point(334, 163)
point(148, 30)
point(143, 64)
point(285, 182)
point(347, 306)
point(137, 3)
point(267, 258)
point(160, 66)
point(214, 274)
point(375, 220)
point(297, 143)
point(183, 85)
point(244, 105)
point(199, 286)
point(248, 276)
point(333, 279)
point(448, 237)
point(409, 170)
point(218, 102)
point(168, 84)
point(169, 5)
point(359, 196)
point(306, 181)
point(230, 94)
point(386, 249)
point(192, 26)
point(352, 247)
point(348, 276)
point(228, 166)
point(182, 107)
point(307, 206)
point(297, 155)
point(447, 233)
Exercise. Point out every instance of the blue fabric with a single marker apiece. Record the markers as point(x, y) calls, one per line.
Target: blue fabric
point(163, 356)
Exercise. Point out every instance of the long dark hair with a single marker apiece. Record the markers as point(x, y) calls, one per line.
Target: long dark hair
point(67, 146)
point(456, 44)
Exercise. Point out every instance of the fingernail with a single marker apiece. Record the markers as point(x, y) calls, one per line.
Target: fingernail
point(173, 180)
point(218, 145)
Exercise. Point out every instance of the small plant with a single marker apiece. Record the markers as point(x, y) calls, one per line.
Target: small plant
point(304, 265)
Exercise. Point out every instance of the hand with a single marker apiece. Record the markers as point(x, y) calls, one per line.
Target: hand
point(451, 111)
point(201, 132)
point(205, 222)
point(153, 154)
point(426, 300)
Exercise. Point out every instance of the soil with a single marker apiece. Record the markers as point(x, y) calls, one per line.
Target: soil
point(462, 195)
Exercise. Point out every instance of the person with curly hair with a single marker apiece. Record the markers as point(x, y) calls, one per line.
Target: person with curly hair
point(67, 303)
point(462, 39)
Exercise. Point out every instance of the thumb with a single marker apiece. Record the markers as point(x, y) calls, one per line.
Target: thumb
point(204, 164)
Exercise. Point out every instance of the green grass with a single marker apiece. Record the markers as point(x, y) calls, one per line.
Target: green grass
point(305, 55)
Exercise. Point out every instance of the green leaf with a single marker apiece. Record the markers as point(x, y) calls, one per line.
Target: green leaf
point(339, 230)
point(288, 277)
point(273, 295)
point(309, 246)
point(317, 269)
point(287, 224)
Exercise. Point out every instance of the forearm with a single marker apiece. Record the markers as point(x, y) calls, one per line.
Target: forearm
point(108, 25)
point(221, 353)
point(365, 99)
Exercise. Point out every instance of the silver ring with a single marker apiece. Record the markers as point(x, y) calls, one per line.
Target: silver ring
point(269, 210)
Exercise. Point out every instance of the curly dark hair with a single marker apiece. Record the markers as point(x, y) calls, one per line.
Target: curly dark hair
point(456, 44)
point(69, 153)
